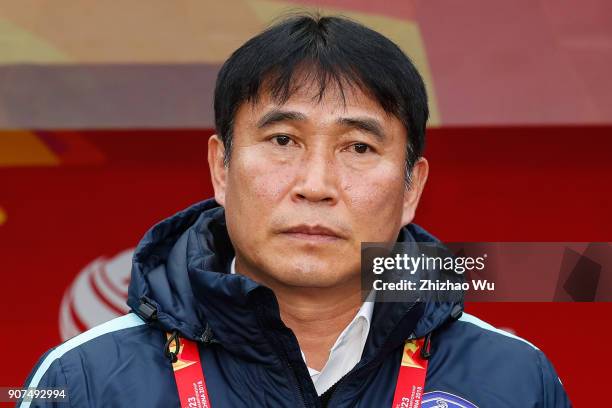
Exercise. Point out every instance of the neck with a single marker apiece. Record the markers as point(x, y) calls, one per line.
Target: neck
point(316, 316)
point(317, 319)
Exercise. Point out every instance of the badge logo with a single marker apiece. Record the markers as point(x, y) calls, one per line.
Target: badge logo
point(180, 362)
point(441, 399)
point(411, 356)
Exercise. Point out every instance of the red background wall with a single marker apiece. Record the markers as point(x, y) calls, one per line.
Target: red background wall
point(486, 184)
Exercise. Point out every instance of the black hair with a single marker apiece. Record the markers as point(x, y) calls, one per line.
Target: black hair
point(326, 48)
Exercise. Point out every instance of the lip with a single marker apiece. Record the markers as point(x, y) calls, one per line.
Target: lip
point(312, 233)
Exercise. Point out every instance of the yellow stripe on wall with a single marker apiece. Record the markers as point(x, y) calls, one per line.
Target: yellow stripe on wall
point(405, 33)
point(21, 148)
point(21, 46)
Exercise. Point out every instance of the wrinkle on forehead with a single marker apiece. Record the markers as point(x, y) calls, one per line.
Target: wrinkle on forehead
point(335, 99)
point(312, 81)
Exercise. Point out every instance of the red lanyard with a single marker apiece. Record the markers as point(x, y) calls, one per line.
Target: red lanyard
point(189, 376)
point(411, 377)
point(193, 393)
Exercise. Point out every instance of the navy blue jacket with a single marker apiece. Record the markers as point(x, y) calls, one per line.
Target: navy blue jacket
point(180, 281)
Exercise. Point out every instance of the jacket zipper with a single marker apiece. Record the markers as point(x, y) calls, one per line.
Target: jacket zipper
point(366, 366)
point(298, 389)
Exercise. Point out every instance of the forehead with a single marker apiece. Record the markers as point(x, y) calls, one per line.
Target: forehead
point(319, 103)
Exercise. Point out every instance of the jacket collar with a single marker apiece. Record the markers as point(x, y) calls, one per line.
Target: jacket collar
point(181, 273)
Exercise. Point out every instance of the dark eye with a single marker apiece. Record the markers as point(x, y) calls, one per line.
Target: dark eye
point(361, 148)
point(282, 140)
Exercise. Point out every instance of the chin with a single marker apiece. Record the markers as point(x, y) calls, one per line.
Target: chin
point(308, 271)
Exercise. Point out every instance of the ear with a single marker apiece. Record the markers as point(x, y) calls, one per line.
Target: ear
point(218, 169)
point(412, 193)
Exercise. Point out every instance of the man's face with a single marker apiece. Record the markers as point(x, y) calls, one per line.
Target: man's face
point(309, 180)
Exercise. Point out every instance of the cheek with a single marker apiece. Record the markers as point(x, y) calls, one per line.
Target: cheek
point(375, 203)
point(257, 184)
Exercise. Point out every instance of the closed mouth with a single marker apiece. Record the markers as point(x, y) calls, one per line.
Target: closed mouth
point(312, 233)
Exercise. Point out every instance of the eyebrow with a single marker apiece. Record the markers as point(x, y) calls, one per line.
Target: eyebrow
point(365, 124)
point(277, 115)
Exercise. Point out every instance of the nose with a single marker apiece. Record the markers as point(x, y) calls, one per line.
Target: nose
point(316, 180)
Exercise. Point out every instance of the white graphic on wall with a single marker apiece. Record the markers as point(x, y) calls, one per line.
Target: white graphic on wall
point(97, 294)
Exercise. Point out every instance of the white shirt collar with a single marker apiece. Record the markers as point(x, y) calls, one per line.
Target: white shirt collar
point(346, 351)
